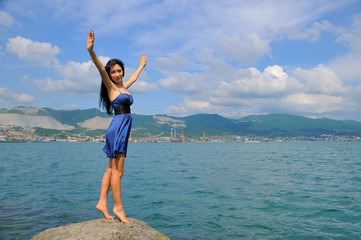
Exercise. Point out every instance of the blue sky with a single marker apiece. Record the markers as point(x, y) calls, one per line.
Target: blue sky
point(234, 58)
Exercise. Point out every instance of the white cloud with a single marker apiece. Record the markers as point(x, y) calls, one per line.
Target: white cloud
point(6, 20)
point(77, 79)
point(198, 47)
point(27, 49)
point(122, 16)
point(58, 87)
point(190, 106)
point(313, 33)
point(79, 72)
point(23, 8)
point(172, 62)
point(190, 26)
point(238, 82)
point(314, 103)
point(351, 36)
point(314, 92)
point(347, 66)
point(83, 79)
point(182, 82)
point(6, 96)
point(245, 49)
point(320, 79)
point(142, 87)
point(272, 82)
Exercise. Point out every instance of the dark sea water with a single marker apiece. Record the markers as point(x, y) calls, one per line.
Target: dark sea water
point(303, 190)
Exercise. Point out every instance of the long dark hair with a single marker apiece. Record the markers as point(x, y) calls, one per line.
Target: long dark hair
point(104, 101)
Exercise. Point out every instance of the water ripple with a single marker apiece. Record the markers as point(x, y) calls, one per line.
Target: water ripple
point(190, 191)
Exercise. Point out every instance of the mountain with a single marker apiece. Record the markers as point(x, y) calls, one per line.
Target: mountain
point(290, 125)
point(95, 121)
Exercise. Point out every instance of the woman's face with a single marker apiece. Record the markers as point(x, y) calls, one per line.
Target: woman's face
point(116, 73)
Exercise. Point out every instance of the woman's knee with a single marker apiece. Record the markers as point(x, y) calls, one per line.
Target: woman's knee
point(118, 165)
point(117, 172)
point(108, 170)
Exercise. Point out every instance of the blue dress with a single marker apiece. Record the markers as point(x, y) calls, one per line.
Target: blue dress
point(119, 129)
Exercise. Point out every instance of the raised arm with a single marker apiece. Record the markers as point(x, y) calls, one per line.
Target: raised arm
point(105, 78)
point(134, 77)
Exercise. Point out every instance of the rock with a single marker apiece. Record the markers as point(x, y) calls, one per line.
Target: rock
point(102, 229)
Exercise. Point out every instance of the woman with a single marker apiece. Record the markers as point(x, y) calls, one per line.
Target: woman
point(114, 95)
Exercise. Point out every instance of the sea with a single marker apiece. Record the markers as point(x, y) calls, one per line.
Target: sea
point(245, 190)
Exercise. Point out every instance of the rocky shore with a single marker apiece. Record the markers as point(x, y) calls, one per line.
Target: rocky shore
point(102, 229)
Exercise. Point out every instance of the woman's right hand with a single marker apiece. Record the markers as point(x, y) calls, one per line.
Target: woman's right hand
point(90, 42)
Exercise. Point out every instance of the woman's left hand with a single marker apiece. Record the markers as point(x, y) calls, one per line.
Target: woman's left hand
point(90, 41)
point(143, 61)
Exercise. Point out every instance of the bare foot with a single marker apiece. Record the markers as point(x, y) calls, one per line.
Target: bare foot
point(104, 210)
point(121, 215)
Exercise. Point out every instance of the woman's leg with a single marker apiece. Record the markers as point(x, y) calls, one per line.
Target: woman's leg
point(102, 204)
point(117, 173)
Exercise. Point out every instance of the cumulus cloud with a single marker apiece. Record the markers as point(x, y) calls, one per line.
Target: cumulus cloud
point(80, 73)
point(320, 79)
point(190, 106)
point(205, 45)
point(82, 79)
point(314, 103)
point(27, 49)
point(143, 87)
point(273, 81)
point(9, 97)
point(76, 78)
point(315, 92)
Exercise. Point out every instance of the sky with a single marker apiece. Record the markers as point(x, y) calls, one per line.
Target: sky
point(233, 58)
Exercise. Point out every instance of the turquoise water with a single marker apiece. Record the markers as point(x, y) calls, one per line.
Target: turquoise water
point(303, 190)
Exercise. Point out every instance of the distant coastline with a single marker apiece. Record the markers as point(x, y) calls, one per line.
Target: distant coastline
point(30, 124)
point(214, 139)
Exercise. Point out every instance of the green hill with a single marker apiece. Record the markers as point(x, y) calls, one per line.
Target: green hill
point(290, 125)
point(71, 117)
point(271, 125)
